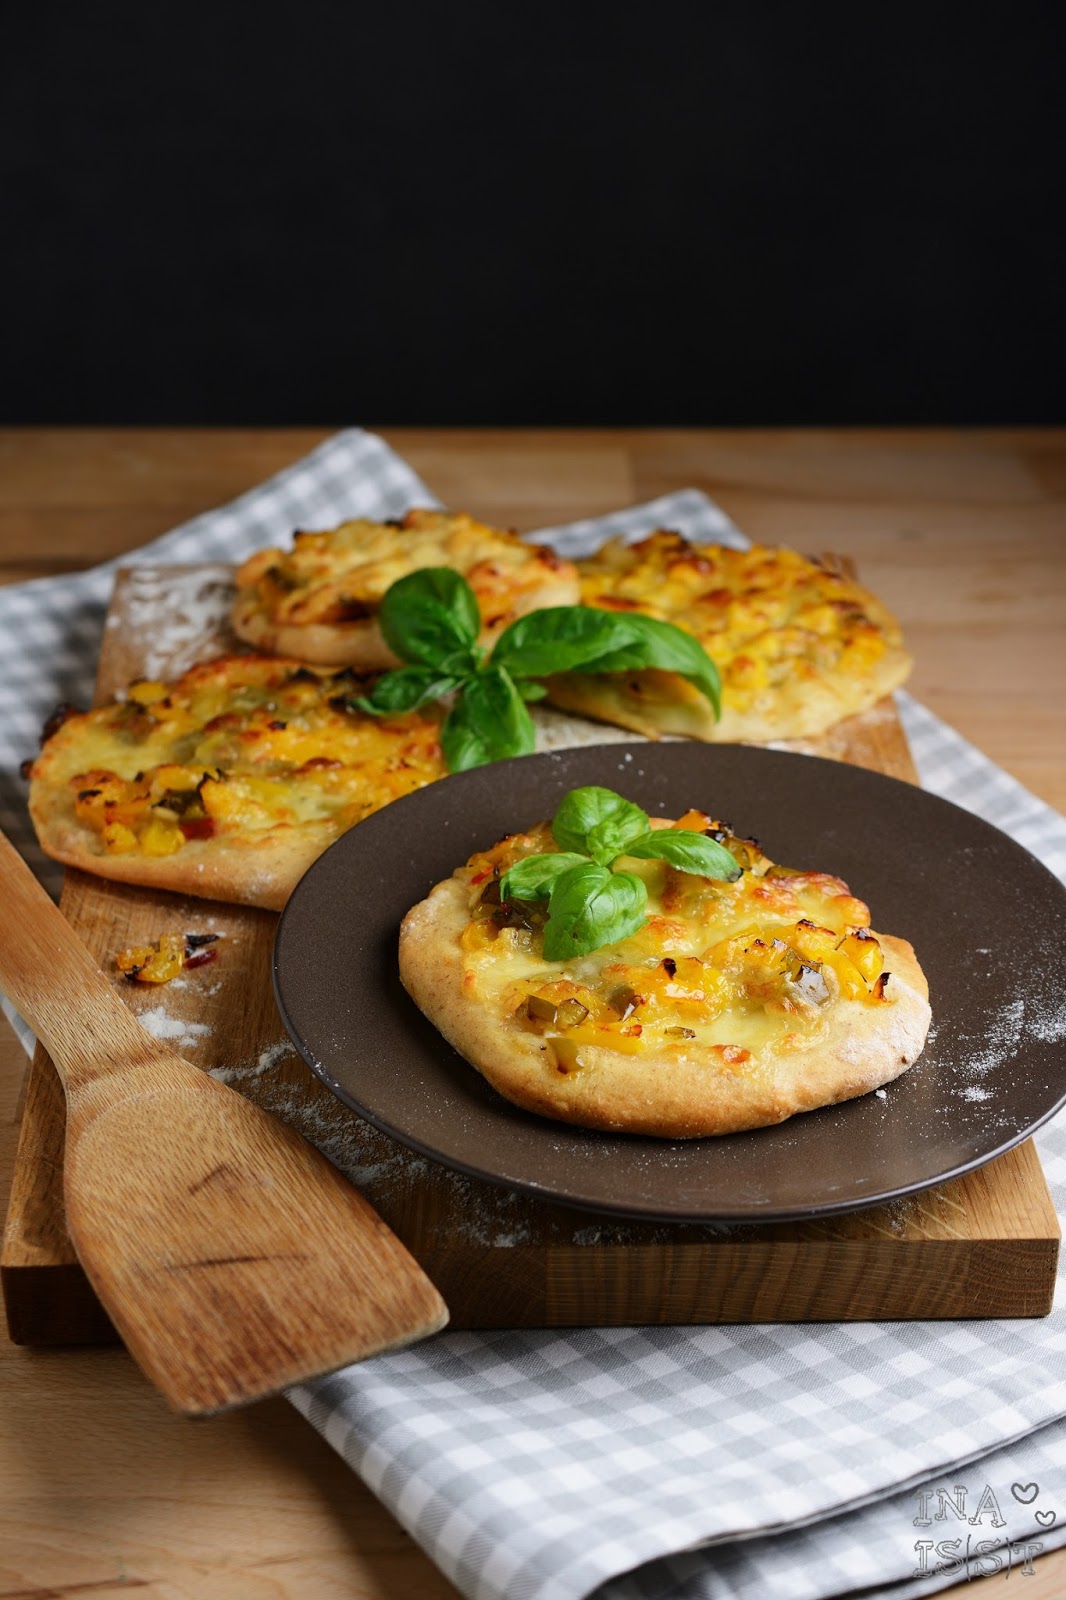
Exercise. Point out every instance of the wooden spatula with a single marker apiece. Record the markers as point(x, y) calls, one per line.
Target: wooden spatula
point(232, 1258)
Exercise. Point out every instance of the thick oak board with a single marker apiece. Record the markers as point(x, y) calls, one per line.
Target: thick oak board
point(985, 1245)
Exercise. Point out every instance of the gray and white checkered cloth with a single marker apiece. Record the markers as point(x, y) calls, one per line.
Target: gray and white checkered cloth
point(784, 1460)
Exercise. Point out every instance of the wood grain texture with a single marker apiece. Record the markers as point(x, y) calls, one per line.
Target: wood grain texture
point(501, 1259)
point(232, 1257)
point(102, 1490)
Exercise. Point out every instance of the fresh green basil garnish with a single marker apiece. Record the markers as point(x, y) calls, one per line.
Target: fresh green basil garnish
point(533, 876)
point(597, 822)
point(560, 639)
point(687, 851)
point(488, 722)
point(406, 689)
point(583, 639)
point(589, 904)
point(430, 619)
point(430, 615)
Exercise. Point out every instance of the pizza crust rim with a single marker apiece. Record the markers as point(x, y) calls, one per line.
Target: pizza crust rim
point(257, 871)
point(355, 644)
point(257, 868)
point(679, 708)
point(667, 1092)
point(361, 643)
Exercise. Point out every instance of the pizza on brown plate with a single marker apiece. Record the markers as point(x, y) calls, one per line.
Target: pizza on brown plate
point(736, 1003)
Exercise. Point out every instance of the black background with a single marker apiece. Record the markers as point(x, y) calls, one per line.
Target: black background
point(655, 213)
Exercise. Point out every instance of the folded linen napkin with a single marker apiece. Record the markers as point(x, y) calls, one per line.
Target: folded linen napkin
point(730, 1461)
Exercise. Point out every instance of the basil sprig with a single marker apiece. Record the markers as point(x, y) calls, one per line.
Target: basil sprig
point(430, 620)
point(589, 903)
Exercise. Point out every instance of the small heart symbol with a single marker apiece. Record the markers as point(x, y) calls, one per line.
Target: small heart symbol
point(1025, 1493)
point(1045, 1518)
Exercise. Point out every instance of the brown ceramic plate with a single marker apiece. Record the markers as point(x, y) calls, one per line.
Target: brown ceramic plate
point(987, 920)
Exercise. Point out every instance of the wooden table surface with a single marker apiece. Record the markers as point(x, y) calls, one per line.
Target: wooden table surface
point(963, 534)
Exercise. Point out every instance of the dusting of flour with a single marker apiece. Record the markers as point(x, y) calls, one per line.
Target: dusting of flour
point(266, 1061)
point(178, 617)
point(173, 1030)
point(999, 1043)
point(472, 1212)
point(1035, 1018)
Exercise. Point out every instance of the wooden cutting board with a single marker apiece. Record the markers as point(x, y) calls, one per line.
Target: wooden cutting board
point(985, 1245)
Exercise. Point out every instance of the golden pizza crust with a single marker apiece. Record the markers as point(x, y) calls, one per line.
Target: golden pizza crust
point(265, 761)
point(655, 703)
point(260, 871)
point(357, 644)
point(799, 645)
point(677, 1090)
point(318, 601)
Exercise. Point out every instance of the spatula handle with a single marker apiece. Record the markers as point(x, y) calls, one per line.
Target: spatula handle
point(54, 983)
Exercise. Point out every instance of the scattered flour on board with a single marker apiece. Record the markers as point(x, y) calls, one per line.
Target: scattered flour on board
point(556, 730)
point(187, 983)
point(273, 1054)
point(267, 1060)
point(479, 1213)
point(177, 617)
point(161, 1025)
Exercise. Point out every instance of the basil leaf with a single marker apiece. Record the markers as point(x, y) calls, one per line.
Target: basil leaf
point(429, 615)
point(591, 907)
point(558, 639)
point(584, 639)
point(532, 877)
point(461, 663)
point(530, 690)
point(597, 822)
point(487, 723)
point(661, 645)
point(405, 690)
point(687, 851)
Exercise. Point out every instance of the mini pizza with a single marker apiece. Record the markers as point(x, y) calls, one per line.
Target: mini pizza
point(799, 644)
point(319, 601)
point(736, 1005)
point(228, 782)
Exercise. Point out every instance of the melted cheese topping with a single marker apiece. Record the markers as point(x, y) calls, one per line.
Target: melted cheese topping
point(341, 576)
point(237, 746)
point(766, 617)
point(729, 965)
